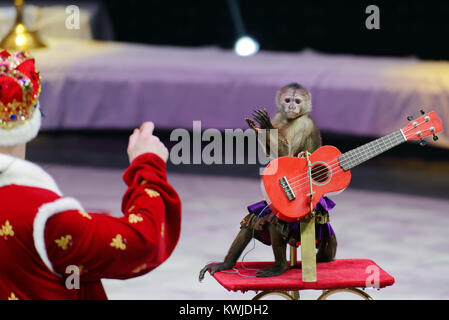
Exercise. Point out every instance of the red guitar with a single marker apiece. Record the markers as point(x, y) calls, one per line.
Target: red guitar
point(289, 182)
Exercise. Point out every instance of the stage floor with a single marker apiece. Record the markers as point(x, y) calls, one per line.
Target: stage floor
point(404, 234)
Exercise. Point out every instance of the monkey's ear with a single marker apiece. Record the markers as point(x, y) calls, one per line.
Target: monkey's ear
point(308, 101)
point(305, 92)
point(308, 106)
point(278, 98)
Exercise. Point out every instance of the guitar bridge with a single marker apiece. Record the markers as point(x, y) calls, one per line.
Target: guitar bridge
point(287, 188)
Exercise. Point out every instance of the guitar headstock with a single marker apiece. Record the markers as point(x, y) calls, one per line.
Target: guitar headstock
point(426, 125)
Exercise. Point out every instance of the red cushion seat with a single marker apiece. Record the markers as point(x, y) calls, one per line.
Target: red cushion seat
point(338, 274)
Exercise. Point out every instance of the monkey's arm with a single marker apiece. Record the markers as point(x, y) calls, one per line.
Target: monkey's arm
point(314, 140)
point(306, 137)
point(238, 245)
point(274, 141)
point(279, 246)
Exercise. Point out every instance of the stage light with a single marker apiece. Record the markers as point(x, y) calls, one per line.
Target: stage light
point(246, 46)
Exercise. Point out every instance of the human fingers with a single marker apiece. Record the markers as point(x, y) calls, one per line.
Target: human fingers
point(147, 128)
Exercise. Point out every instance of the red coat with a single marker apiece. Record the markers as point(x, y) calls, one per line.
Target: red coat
point(44, 235)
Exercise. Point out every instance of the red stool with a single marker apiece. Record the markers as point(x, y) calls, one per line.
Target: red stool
point(346, 275)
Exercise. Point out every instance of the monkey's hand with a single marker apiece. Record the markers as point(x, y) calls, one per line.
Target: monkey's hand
point(277, 270)
point(262, 117)
point(251, 124)
point(213, 267)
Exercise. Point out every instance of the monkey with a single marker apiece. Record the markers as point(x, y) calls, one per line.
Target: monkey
point(297, 132)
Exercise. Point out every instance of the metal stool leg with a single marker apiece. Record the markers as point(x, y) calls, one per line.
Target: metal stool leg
point(291, 295)
point(327, 293)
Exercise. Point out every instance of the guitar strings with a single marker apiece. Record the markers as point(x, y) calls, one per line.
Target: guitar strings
point(235, 270)
point(334, 161)
point(294, 179)
point(314, 175)
point(321, 173)
point(333, 164)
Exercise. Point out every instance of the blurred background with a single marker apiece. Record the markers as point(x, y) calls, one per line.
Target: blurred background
point(109, 65)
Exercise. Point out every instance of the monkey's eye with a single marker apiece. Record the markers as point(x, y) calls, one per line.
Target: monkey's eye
point(297, 101)
point(287, 100)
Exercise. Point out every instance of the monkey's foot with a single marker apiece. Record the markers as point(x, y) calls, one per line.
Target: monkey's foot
point(272, 272)
point(213, 267)
point(323, 258)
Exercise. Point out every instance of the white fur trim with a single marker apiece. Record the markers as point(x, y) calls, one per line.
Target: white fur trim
point(44, 213)
point(23, 133)
point(24, 173)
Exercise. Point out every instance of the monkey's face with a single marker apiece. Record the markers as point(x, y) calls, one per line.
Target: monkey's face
point(293, 103)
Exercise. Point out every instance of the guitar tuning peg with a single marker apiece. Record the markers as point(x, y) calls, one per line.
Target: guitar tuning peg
point(435, 138)
point(410, 118)
point(422, 111)
point(422, 143)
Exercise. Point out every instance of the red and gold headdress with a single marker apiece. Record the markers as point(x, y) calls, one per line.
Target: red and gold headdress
point(20, 87)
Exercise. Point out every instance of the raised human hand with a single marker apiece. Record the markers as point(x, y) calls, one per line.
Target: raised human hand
point(143, 141)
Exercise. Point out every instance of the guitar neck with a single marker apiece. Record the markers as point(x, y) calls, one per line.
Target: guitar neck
point(371, 149)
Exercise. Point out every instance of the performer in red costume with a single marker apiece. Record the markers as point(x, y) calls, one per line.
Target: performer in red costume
point(45, 236)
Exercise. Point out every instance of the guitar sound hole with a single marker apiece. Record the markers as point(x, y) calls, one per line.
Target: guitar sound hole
point(320, 173)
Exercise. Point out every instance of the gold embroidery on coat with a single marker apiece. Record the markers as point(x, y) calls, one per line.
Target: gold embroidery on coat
point(162, 229)
point(81, 270)
point(140, 268)
point(132, 218)
point(85, 214)
point(117, 242)
point(64, 242)
point(6, 230)
point(152, 193)
point(12, 296)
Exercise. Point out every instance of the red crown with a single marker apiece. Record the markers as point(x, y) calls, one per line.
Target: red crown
point(20, 87)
